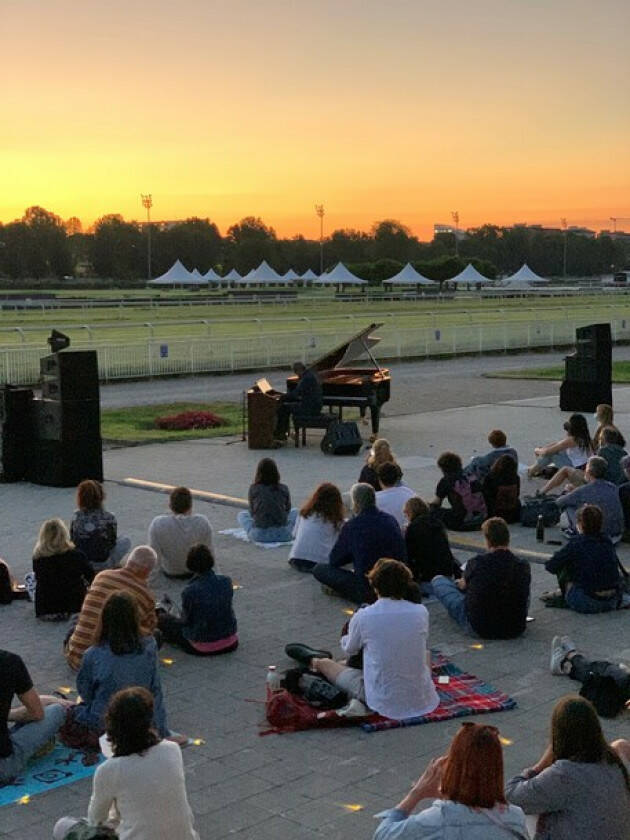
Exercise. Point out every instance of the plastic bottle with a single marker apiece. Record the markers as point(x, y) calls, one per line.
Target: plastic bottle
point(540, 529)
point(273, 679)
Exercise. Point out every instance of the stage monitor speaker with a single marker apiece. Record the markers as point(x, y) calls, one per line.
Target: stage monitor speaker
point(15, 432)
point(70, 375)
point(584, 396)
point(578, 369)
point(598, 335)
point(67, 420)
point(56, 463)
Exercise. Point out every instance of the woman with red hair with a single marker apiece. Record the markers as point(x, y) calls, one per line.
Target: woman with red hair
point(467, 786)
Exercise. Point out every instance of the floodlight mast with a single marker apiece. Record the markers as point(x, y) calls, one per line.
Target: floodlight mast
point(147, 202)
point(455, 218)
point(319, 210)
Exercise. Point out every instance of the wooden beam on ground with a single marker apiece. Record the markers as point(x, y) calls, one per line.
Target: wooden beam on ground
point(203, 495)
point(467, 544)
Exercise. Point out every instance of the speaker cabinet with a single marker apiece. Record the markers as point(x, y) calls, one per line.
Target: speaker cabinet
point(15, 432)
point(584, 396)
point(67, 420)
point(65, 463)
point(70, 375)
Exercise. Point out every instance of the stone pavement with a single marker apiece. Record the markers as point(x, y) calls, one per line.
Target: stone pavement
point(304, 785)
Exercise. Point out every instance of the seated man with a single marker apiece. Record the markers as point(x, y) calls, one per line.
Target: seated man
point(131, 578)
point(596, 491)
point(305, 400)
point(587, 567)
point(624, 495)
point(480, 465)
point(36, 721)
point(492, 597)
point(392, 634)
point(393, 496)
point(172, 535)
point(364, 539)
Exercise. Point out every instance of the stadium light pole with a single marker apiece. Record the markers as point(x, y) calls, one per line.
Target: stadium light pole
point(147, 202)
point(319, 210)
point(563, 222)
point(455, 218)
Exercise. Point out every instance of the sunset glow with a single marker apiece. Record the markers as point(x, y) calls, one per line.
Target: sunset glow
point(506, 110)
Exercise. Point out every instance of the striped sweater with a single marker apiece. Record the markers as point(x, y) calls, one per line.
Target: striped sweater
point(104, 584)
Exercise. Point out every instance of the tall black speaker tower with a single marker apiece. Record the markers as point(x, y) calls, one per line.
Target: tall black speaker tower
point(588, 371)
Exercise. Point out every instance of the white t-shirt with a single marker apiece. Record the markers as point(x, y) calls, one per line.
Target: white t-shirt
point(313, 539)
point(148, 792)
point(392, 501)
point(393, 635)
point(173, 534)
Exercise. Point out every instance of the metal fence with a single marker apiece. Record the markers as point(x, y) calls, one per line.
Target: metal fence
point(20, 365)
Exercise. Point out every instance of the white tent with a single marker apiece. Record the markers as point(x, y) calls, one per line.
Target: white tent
point(289, 277)
point(523, 278)
point(309, 274)
point(177, 275)
point(211, 276)
point(340, 275)
point(408, 276)
point(197, 278)
point(232, 277)
point(469, 275)
point(246, 278)
point(264, 274)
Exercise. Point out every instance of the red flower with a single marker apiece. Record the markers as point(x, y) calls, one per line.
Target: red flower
point(190, 420)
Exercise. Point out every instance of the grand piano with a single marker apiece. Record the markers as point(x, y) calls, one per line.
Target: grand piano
point(362, 387)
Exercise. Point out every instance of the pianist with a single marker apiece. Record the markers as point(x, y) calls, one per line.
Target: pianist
point(305, 400)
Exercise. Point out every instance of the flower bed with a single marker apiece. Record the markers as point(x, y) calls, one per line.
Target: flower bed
point(190, 420)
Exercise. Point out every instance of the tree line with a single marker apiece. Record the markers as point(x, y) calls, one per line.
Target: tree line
point(41, 245)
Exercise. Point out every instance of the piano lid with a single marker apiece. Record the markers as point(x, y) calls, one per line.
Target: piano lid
point(349, 351)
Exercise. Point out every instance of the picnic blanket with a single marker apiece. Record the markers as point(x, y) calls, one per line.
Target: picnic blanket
point(61, 766)
point(241, 534)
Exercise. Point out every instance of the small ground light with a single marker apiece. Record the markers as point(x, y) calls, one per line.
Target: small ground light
point(476, 647)
point(348, 611)
point(24, 800)
point(507, 742)
point(167, 661)
point(65, 689)
point(351, 807)
point(198, 742)
point(236, 586)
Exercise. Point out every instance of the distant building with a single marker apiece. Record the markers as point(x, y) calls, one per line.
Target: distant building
point(457, 232)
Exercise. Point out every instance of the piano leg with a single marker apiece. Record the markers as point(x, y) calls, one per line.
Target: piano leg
point(375, 412)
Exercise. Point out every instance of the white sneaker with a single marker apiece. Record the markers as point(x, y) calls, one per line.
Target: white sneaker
point(561, 646)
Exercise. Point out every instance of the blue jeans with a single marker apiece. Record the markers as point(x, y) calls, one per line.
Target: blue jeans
point(558, 459)
point(277, 533)
point(27, 738)
point(577, 599)
point(454, 600)
point(123, 544)
point(348, 584)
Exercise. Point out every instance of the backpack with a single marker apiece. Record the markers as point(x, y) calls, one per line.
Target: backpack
point(472, 498)
point(535, 506)
point(287, 712)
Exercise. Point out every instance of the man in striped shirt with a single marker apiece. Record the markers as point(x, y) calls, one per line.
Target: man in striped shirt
point(132, 579)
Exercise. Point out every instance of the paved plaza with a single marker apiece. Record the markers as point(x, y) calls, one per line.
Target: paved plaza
point(324, 783)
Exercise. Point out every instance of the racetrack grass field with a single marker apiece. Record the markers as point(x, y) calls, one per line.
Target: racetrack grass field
point(620, 373)
point(137, 424)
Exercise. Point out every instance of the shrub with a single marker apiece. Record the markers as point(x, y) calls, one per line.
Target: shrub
point(190, 420)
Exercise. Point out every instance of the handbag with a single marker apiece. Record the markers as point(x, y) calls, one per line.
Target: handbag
point(535, 506)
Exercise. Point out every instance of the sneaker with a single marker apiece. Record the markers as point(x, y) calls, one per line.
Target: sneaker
point(561, 646)
point(304, 654)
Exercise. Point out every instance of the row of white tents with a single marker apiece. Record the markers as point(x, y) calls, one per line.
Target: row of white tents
point(264, 275)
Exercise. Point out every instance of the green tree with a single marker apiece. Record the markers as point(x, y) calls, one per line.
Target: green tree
point(393, 240)
point(248, 243)
point(117, 249)
point(347, 245)
point(48, 252)
point(196, 242)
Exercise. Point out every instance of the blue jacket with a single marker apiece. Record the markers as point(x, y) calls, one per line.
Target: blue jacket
point(365, 539)
point(207, 608)
point(590, 561)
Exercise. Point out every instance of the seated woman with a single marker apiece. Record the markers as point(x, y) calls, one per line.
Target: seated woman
point(587, 567)
point(207, 625)
point(94, 530)
point(379, 454)
point(270, 517)
point(572, 451)
point(317, 528)
point(428, 551)
point(141, 790)
point(579, 787)
point(610, 449)
point(466, 786)
point(62, 573)
point(501, 489)
point(120, 658)
point(467, 506)
point(604, 416)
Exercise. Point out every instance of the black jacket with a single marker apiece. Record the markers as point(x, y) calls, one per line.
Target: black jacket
point(428, 551)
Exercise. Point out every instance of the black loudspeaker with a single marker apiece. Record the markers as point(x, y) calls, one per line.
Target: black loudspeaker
point(15, 432)
point(596, 336)
point(65, 463)
point(67, 420)
point(70, 375)
point(342, 439)
point(584, 396)
point(578, 369)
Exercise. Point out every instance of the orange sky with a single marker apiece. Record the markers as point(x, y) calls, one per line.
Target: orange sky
point(506, 110)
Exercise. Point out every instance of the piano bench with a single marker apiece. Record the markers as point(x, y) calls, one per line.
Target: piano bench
point(317, 421)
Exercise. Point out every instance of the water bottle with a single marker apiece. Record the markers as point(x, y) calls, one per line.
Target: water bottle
point(540, 529)
point(273, 680)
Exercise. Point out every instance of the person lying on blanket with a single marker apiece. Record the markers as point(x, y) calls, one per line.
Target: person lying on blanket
point(392, 634)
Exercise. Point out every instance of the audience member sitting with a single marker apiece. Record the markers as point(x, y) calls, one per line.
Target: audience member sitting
point(604, 416)
point(480, 465)
point(121, 657)
point(207, 625)
point(392, 634)
point(393, 495)
point(467, 506)
point(596, 491)
point(270, 517)
point(466, 786)
point(611, 450)
point(612, 681)
point(426, 541)
point(94, 530)
point(9, 589)
point(501, 489)
point(364, 539)
point(379, 454)
point(141, 790)
point(492, 597)
point(62, 573)
point(587, 566)
point(172, 534)
point(317, 528)
point(34, 723)
point(573, 450)
point(624, 494)
point(579, 787)
point(131, 578)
